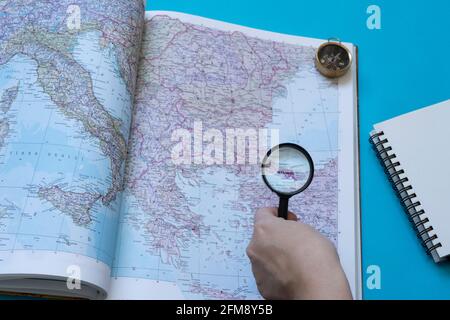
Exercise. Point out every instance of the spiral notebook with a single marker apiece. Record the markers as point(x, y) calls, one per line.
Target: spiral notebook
point(414, 150)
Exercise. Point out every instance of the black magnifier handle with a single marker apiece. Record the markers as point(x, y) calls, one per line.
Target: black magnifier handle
point(283, 208)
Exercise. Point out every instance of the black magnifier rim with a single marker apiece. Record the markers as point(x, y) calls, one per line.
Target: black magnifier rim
point(308, 158)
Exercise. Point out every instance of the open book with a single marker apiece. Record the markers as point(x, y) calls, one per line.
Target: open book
point(119, 173)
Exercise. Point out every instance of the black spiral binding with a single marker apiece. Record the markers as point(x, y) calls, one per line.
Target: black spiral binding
point(399, 182)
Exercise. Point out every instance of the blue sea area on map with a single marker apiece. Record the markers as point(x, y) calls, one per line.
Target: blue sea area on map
point(109, 87)
point(44, 147)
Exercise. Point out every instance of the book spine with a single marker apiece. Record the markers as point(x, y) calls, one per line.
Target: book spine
point(405, 192)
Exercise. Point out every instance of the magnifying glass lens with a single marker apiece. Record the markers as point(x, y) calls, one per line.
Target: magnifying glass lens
point(287, 170)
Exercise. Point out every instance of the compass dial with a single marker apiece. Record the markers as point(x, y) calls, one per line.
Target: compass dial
point(333, 59)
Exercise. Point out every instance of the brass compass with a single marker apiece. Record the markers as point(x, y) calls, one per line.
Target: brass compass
point(333, 59)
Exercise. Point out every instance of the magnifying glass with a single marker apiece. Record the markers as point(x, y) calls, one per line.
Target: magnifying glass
point(287, 170)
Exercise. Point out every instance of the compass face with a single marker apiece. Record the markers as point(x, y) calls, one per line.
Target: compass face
point(334, 57)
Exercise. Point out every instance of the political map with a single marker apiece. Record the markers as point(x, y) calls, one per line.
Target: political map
point(190, 224)
point(67, 80)
point(98, 101)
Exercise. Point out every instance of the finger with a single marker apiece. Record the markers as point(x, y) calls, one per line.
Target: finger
point(292, 216)
point(265, 213)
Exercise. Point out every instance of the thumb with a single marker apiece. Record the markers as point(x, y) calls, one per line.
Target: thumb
point(292, 216)
point(270, 213)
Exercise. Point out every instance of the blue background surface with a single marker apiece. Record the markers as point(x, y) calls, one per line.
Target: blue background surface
point(402, 67)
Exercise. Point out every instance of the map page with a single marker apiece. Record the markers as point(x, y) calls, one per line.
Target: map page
point(187, 211)
point(67, 80)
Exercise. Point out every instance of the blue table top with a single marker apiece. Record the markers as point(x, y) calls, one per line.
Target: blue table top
point(403, 66)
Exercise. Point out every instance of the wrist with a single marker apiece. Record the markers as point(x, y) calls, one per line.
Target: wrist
point(326, 284)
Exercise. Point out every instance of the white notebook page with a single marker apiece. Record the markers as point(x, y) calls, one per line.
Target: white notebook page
point(420, 140)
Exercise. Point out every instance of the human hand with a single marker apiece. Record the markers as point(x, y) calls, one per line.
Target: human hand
point(291, 260)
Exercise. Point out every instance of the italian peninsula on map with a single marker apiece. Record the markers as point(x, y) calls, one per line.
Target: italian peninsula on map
point(190, 225)
point(65, 108)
